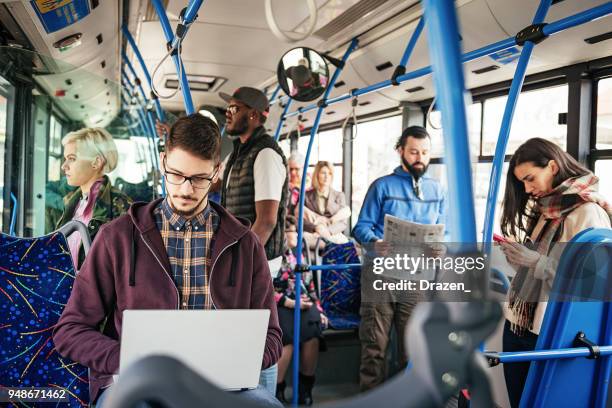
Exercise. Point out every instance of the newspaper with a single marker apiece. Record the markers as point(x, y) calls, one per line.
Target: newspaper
point(398, 231)
point(409, 239)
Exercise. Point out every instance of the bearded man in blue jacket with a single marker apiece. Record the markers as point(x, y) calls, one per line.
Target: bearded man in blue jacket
point(407, 193)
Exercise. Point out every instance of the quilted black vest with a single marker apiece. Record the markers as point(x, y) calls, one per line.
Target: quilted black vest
point(238, 196)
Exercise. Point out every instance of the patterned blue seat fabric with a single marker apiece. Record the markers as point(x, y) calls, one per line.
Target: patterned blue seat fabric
point(341, 289)
point(36, 277)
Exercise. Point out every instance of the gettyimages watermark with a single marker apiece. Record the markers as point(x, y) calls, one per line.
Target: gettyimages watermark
point(462, 273)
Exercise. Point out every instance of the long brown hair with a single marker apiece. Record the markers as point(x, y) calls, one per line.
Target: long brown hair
point(518, 214)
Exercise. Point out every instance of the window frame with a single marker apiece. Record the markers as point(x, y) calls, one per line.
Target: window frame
point(596, 154)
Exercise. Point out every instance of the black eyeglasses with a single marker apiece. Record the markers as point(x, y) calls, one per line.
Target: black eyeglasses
point(195, 181)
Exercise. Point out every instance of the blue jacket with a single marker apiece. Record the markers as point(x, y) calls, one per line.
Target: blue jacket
point(394, 194)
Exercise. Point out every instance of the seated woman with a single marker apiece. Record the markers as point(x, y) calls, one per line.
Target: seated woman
point(89, 155)
point(312, 321)
point(325, 211)
point(549, 198)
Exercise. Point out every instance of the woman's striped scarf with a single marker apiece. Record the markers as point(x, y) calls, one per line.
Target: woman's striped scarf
point(525, 289)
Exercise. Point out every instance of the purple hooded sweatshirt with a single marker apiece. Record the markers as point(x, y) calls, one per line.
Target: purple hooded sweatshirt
point(128, 268)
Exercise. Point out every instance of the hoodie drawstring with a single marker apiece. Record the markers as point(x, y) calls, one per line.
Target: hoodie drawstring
point(232, 276)
point(133, 258)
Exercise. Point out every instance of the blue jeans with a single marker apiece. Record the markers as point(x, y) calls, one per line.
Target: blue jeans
point(267, 378)
point(259, 395)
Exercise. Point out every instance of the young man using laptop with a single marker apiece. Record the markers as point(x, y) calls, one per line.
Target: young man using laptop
point(180, 252)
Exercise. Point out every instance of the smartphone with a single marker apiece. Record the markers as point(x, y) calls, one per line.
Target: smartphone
point(498, 238)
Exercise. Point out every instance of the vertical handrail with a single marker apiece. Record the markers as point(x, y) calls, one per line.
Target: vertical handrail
point(504, 131)
point(442, 35)
point(130, 39)
point(282, 120)
point(13, 214)
point(174, 42)
point(299, 266)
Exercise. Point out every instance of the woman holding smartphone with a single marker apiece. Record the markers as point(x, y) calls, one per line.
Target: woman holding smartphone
point(549, 198)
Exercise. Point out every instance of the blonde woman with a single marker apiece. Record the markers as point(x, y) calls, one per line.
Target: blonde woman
point(89, 155)
point(325, 211)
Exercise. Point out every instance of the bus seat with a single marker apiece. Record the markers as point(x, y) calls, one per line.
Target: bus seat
point(36, 278)
point(341, 289)
point(583, 275)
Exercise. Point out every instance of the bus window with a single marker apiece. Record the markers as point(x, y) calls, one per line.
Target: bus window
point(133, 173)
point(327, 146)
point(474, 114)
point(603, 168)
point(482, 177)
point(373, 156)
point(55, 149)
point(285, 146)
point(604, 114)
point(537, 115)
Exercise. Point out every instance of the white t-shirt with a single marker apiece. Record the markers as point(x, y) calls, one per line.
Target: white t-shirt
point(269, 175)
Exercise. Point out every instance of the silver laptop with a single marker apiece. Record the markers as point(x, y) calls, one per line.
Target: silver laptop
point(224, 346)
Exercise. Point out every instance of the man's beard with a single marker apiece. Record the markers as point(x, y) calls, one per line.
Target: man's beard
point(241, 127)
point(188, 213)
point(417, 172)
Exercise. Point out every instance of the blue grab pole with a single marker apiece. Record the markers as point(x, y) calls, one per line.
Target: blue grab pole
point(522, 356)
point(579, 18)
point(13, 214)
point(442, 30)
point(130, 39)
point(552, 28)
point(137, 81)
point(274, 94)
point(282, 120)
point(189, 16)
point(504, 131)
point(298, 274)
point(411, 44)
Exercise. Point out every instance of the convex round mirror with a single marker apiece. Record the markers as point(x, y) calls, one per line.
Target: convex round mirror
point(303, 74)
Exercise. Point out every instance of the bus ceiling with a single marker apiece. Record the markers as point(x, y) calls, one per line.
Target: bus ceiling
point(230, 45)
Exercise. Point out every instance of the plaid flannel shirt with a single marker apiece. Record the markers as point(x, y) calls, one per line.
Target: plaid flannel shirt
point(188, 244)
